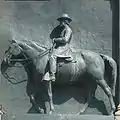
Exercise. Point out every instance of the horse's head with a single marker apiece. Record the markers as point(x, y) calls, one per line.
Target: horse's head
point(14, 48)
point(13, 51)
point(11, 56)
point(21, 52)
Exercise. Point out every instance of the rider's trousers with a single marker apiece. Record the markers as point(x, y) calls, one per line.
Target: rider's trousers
point(52, 64)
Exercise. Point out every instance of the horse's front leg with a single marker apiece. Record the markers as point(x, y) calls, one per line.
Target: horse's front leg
point(31, 93)
point(48, 85)
point(36, 106)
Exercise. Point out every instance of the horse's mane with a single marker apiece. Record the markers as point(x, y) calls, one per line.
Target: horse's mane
point(33, 45)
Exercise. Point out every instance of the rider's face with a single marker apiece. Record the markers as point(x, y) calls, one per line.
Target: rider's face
point(62, 23)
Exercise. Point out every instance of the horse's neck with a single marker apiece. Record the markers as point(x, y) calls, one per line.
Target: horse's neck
point(37, 46)
point(31, 49)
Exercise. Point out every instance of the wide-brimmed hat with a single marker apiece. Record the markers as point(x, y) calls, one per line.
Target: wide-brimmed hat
point(64, 17)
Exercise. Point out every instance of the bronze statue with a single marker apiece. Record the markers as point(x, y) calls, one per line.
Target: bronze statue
point(90, 65)
point(61, 37)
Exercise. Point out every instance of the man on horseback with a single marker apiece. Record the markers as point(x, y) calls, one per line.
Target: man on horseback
point(61, 37)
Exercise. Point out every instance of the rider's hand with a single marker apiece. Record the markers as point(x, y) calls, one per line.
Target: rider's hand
point(53, 40)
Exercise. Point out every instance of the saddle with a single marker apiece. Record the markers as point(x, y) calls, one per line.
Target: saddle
point(65, 57)
point(60, 62)
point(64, 60)
point(69, 58)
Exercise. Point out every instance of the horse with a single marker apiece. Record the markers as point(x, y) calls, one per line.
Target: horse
point(89, 65)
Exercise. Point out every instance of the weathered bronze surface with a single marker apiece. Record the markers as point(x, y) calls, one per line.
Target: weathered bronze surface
point(89, 67)
point(94, 27)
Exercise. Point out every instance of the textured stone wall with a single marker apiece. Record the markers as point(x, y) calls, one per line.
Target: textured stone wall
point(34, 21)
point(92, 28)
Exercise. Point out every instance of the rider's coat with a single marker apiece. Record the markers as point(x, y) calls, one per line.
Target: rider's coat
point(61, 48)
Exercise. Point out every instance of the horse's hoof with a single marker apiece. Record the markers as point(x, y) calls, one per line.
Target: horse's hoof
point(111, 113)
point(52, 111)
point(112, 110)
point(41, 111)
point(79, 113)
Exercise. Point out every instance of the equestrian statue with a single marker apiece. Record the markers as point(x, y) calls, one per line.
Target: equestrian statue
point(60, 65)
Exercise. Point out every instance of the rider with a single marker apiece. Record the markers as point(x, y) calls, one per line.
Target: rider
point(61, 37)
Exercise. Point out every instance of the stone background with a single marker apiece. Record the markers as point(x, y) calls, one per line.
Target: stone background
point(92, 28)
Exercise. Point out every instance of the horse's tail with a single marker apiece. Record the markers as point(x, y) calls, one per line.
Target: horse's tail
point(110, 71)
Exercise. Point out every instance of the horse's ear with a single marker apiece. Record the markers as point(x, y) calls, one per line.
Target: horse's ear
point(12, 41)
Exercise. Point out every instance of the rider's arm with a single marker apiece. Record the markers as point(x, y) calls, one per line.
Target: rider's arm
point(65, 38)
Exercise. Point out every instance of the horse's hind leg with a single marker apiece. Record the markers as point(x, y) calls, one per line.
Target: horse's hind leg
point(91, 94)
point(86, 104)
point(31, 93)
point(33, 101)
point(107, 90)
